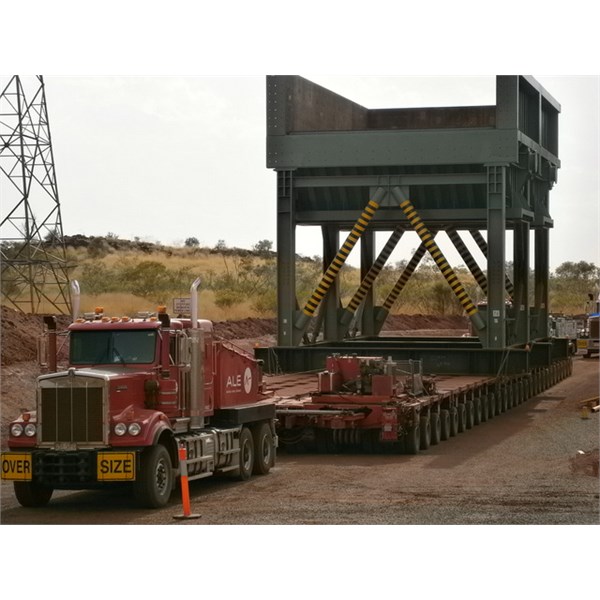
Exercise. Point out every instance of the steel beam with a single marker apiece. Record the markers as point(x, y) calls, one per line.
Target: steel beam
point(469, 260)
point(384, 311)
point(338, 262)
point(368, 280)
point(440, 261)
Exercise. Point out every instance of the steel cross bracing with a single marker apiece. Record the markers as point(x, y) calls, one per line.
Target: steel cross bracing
point(34, 275)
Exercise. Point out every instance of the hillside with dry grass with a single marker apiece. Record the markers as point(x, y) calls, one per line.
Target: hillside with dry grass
point(126, 276)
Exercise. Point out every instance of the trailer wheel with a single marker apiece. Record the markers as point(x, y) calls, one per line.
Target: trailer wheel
point(470, 414)
point(155, 481)
point(491, 405)
point(436, 428)
point(446, 428)
point(425, 433)
point(31, 494)
point(413, 440)
point(454, 422)
point(477, 411)
point(462, 418)
point(246, 454)
point(264, 452)
point(485, 408)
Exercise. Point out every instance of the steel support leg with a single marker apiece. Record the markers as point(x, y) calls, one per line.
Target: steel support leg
point(521, 277)
point(496, 309)
point(286, 261)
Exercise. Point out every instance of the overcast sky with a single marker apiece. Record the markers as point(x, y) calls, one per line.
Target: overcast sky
point(167, 158)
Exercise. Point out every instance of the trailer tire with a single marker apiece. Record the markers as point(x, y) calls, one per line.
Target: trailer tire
point(485, 408)
point(264, 451)
point(412, 440)
point(491, 405)
point(446, 427)
point(247, 456)
point(477, 411)
point(425, 433)
point(454, 423)
point(470, 414)
point(31, 494)
point(462, 418)
point(436, 428)
point(155, 480)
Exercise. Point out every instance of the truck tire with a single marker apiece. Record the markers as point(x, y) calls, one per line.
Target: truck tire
point(156, 479)
point(264, 450)
point(246, 454)
point(412, 441)
point(425, 433)
point(31, 494)
point(436, 428)
point(445, 424)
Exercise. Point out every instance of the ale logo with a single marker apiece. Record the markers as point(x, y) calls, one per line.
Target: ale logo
point(247, 380)
point(239, 381)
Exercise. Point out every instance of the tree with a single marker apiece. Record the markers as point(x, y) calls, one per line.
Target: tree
point(580, 271)
point(263, 247)
point(192, 242)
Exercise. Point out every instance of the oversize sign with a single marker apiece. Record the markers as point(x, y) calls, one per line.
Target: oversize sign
point(116, 466)
point(16, 467)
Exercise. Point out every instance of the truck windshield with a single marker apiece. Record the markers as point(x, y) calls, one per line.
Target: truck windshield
point(112, 347)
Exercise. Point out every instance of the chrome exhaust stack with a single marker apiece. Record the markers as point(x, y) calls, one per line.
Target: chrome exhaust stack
point(197, 363)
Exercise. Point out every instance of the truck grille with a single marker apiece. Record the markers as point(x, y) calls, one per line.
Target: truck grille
point(71, 414)
point(64, 468)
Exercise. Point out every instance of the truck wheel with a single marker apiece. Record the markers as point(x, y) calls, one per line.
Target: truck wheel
point(436, 428)
point(413, 440)
point(425, 433)
point(264, 452)
point(445, 424)
point(155, 481)
point(32, 494)
point(246, 454)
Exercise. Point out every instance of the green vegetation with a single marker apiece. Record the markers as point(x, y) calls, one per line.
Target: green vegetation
point(126, 276)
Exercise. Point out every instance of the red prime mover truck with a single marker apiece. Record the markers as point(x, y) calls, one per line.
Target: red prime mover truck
point(136, 391)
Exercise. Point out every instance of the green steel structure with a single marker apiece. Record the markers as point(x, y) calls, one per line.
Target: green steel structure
point(462, 170)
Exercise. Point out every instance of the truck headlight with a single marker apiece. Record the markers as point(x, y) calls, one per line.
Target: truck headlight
point(134, 429)
point(120, 429)
point(16, 429)
point(30, 429)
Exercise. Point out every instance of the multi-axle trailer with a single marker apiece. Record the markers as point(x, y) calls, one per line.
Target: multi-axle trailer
point(375, 404)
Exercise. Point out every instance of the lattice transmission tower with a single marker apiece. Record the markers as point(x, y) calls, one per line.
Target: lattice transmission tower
point(34, 276)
